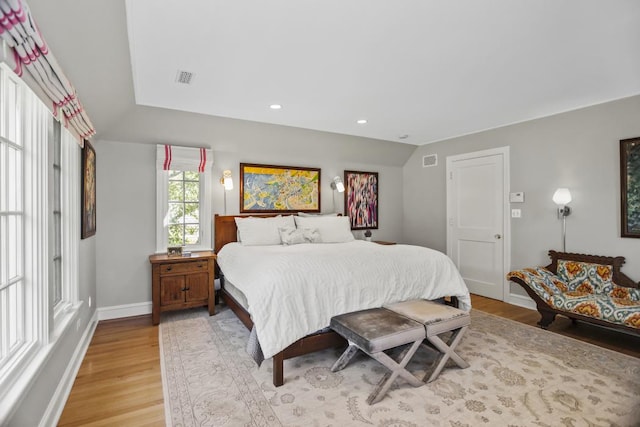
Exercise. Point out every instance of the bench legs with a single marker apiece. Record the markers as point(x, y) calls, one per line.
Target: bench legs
point(345, 358)
point(397, 368)
point(446, 351)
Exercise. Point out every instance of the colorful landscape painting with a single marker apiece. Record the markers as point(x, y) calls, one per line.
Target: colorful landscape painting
point(266, 188)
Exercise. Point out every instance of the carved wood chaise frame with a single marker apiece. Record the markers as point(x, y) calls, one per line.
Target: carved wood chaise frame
point(225, 232)
point(548, 313)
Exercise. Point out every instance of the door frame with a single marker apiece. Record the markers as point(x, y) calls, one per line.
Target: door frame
point(506, 222)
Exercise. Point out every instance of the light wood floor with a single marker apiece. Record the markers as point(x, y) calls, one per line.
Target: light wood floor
point(119, 381)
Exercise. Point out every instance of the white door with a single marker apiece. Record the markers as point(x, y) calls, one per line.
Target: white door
point(476, 203)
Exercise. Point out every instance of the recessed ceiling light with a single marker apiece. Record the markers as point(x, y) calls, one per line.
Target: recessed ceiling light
point(361, 121)
point(275, 106)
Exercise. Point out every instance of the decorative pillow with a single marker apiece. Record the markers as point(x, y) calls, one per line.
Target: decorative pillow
point(622, 292)
point(262, 231)
point(332, 229)
point(295, 236)
point(586, 277)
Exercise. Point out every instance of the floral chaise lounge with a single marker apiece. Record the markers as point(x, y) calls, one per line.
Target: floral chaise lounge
point(583, 287)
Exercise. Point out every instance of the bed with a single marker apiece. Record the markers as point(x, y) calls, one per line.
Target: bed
point(286, 294)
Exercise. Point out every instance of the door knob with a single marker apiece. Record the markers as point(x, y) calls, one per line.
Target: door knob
point(497, 236)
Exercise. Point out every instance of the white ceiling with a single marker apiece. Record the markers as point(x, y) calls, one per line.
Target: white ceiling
point(428, 69)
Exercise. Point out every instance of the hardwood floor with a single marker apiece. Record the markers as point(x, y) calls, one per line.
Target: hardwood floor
point(602, 337)
point(119, 382)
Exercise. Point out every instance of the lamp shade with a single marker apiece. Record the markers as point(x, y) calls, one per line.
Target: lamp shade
point(227, 180)
point(562, 196)
point(339, 185)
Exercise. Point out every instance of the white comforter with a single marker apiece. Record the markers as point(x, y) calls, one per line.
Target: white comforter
point(293, 291)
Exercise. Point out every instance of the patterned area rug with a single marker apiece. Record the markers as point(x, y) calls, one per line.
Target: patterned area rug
point(519, 376)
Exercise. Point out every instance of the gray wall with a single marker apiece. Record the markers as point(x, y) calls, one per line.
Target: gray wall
point(578, 150)
point(126, 190)
point(126, 215)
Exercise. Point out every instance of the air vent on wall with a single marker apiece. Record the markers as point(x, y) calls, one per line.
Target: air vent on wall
point(430, 160)
point(184, 77)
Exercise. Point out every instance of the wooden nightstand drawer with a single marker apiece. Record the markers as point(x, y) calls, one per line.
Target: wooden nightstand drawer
point(183, 267)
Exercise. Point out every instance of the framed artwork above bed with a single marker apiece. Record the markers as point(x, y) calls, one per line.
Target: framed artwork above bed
point(279, 189)
point(361, 199)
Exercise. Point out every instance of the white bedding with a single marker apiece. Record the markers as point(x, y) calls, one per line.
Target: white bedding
point(293, 291)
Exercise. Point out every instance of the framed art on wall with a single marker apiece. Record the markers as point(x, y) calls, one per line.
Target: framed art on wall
point(88, 213)
point(630, 187)
point(361, 199)
point(279, 189)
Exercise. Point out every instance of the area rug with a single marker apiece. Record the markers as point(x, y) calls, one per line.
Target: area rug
point(519, 376)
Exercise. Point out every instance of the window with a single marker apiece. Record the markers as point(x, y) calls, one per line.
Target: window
point(183, 197)
point(13, 333)
point(56, 217)
point(39, 233)
point(64, 233)
point(184, 208)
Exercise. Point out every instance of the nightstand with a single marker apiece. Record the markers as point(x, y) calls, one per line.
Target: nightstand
point(182, 282)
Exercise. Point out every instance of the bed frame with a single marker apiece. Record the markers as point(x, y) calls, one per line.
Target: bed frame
point(226, 232)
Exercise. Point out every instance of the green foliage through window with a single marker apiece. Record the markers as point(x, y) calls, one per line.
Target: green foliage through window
point(184, 208)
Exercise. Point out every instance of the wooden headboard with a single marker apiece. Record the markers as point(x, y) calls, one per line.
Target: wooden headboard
point(225, 229)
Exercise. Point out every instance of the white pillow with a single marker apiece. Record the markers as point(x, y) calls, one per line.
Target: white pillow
point(262, 231)
point(332, 229)
point(295, 236)
point(316, 215)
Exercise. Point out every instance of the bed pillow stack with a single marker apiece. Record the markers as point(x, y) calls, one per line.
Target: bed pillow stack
point(290, 230)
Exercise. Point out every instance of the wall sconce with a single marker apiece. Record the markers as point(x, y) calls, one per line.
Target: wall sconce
point(337, 184)
point(562, 197)
point(226, 180)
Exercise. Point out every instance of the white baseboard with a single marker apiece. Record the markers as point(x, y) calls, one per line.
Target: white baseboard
point(59, 398)
point(126, 310)
point(521, 301)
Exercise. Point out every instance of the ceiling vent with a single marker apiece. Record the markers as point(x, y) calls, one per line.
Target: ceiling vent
point(184, 77)
point(430, 160)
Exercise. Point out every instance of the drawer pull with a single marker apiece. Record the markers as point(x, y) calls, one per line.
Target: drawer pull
point(185, 289)
point(169, 268)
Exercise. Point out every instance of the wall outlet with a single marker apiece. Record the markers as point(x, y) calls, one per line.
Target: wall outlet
point(516, 213)
point(90, 302)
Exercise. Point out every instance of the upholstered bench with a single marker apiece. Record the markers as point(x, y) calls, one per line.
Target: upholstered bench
point(373, 331)
point(437, 320)
point(377, 330)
